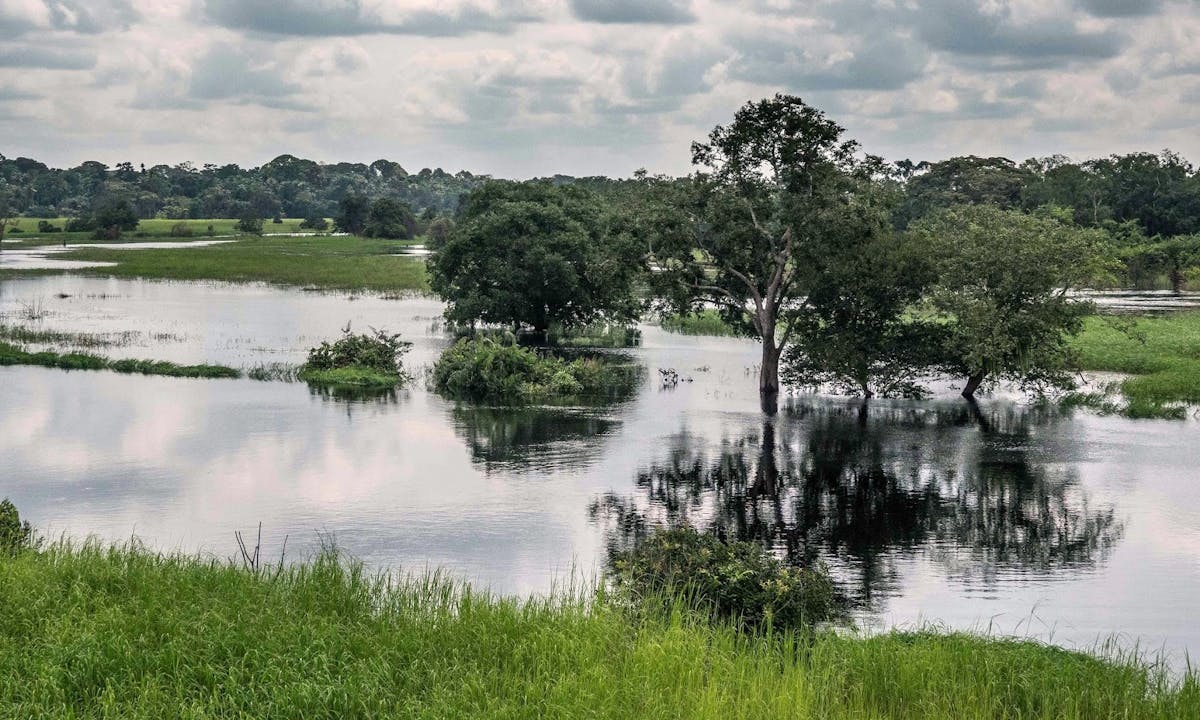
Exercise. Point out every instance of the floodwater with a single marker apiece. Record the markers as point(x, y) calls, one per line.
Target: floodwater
point(42, 257)
point(1028, 521)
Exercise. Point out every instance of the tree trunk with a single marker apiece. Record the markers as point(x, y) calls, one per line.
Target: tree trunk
point(1176, 276)
point(973, 384)
point(768, 376)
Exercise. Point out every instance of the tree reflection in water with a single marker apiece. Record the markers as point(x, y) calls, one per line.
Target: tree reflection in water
point(531, 438)
point(864, 489)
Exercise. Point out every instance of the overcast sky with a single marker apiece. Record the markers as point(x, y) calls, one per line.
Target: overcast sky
point(534, 87)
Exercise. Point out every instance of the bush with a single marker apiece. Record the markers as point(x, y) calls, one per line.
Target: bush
point(314, 222)
point(366, 359)
point(181, 230)
point(737, 581)
point(482, 369)
point(251, 224)
point(45, 226)
point(14, 534)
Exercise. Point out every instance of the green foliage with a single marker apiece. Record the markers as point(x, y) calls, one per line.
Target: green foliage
point(1163, 354)
point(45, 226)
point(353, 211)
point(372, 359)
point(92, 632)
point(702, 322)
point(968, 180)
point(181, 230)
point(114, 214)
point(13, 355)
point(15, 535)
point(734, 581)
point(535, 254)
point(390, 219)
point(484, 370)
point(313, 221)
point(250, 224)
point(1002, 292)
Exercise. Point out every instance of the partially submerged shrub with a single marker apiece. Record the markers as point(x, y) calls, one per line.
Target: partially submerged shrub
point(358, 359)
point(14, 534)
point(181, 229)
point(738, 581)
point(482, 369)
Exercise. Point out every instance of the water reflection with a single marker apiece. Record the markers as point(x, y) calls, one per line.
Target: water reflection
point(861, 489)
point(531, 438)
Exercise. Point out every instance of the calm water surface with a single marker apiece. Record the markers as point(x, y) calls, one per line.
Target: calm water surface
point(1066, 527)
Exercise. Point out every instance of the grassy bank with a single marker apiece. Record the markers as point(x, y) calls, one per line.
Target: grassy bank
point(1162, 353)
point(91, 632)
point(157, 229)
point(335, 263)
point(14, 355)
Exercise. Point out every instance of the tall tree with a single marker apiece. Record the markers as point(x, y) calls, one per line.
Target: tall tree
point(767, 197)
point(352, 215)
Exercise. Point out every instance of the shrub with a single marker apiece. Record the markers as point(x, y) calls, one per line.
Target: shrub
point(251, 224)
point(738, 581)
point(365, 359)
point(181, 230)
point(14, 534)
point(482, 369)
point(45, 226)
point(314, 222)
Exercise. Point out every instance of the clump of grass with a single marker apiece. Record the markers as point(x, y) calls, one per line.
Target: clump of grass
point(1163, 353)
point(705, 322)
point(91, 632)
point(26, 335)
point(14, 355)
point(732, 580)
point(484, 370)
point(364, 360)
point(274, 372)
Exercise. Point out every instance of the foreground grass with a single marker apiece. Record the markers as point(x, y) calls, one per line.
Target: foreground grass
point(92, 632)
point(1162, 353)
point(334, 263)
point(14, 355)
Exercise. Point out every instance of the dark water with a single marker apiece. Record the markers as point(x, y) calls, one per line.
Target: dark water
point(1067, 527)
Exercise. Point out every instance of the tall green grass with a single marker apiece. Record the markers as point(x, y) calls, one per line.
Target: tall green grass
point(93, 632)
point(705, 322)
point(13, 355)
point(1162, 353)
point(333, 263)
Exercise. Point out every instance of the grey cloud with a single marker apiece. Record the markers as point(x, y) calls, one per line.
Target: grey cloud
point(225, 74)
point(10, 94)
point(964, 28)
point(667, 12)
point(46, 57)
point(1121, 8)
point(888, 63)
point(351, 17)
point(81, 16)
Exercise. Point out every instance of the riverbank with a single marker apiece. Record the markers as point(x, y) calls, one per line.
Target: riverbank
point(323, 263)
point(97, 632)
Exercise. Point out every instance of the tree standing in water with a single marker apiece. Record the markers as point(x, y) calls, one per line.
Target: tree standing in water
point(764, 206)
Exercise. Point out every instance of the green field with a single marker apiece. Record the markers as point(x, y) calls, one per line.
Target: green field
point(92, 632)
point(1162, 353)
point(328, 263)
point(156, 228)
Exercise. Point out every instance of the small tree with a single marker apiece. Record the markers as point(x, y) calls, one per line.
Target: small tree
point(532, 254)
point(250, 223)
point(314, 221)
point(390, 219)
point(1003, 295)
point(7, 214)
point(14, 534)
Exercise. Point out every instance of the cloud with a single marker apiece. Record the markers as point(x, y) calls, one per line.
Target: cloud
point(319, 18)
point(47, 57)
point(80, 16)
point(666, 12)
point(1121, 8)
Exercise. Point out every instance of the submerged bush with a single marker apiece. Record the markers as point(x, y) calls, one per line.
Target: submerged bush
point(14, 534)
point(738, 581)
point(364, 359)
point(482, 369)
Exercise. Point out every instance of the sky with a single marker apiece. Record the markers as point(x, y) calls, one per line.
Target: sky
point(524, 88)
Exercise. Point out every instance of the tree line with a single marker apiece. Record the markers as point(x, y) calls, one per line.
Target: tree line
point(852, 272)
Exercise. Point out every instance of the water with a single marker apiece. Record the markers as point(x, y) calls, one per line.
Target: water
point(1064, 527)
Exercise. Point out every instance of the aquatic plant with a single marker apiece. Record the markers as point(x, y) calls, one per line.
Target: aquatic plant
point(365, 359)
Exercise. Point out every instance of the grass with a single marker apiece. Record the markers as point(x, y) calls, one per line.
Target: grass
point(332, 263)
point(94, 632)
point(354, 376)
point(14, 355)
point(1162, 353)
point(21, 334)
point(159, 229)
point(706, 322)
